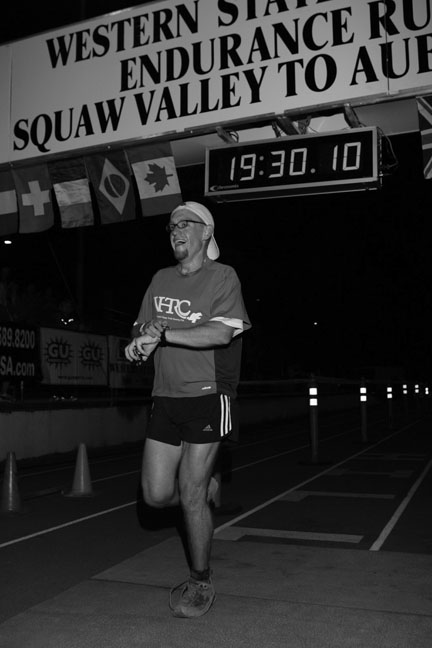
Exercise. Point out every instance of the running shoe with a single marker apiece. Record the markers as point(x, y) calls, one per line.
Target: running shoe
point(192, 598)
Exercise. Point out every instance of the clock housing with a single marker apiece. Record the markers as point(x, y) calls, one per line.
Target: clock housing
point(347, 160)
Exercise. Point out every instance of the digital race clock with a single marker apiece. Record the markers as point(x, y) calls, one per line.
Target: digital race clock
point(347, 160)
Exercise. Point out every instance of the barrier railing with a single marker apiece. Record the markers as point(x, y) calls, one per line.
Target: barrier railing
point(62, 368)
point(418, 392)
point(261, 402)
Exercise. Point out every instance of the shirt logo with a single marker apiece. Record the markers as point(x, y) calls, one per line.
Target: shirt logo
point(180, 307)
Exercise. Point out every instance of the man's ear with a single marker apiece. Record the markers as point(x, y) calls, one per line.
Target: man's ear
point(208, 231)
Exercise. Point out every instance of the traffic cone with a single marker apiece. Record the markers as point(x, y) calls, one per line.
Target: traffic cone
point(81, 486)
point(11, 501)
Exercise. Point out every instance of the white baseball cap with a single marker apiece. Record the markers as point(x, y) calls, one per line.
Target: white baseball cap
point(204, 214)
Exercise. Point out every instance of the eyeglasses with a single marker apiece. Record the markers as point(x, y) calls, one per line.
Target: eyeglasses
point(181, 225)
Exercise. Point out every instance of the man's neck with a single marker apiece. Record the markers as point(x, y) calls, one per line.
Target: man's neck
point(188, 267)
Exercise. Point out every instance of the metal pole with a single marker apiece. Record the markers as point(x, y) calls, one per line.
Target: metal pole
point(363, 411)
point(313, 417)
point(390, 406)
point(417, 398)
point(405, 399)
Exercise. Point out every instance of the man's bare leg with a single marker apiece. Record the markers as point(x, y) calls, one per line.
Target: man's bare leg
point(159, 473)
point(195, 470)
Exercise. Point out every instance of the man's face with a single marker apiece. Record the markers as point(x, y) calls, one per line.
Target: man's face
point(188, 239)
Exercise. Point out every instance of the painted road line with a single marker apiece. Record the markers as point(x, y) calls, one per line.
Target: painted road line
point(287, 452)
point(61, 526)
point(311, 479)
point(300, 495)
point(240, 517)
point(45, 492)
point(393, 456)
point(70, 466)
point(394, 474)
point(101, 479)
point(66, 524)
point(58, 489)
point(291, 436)
point(398, 513)
point(235, 533)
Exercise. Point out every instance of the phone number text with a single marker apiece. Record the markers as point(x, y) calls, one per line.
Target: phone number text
point(17, 338)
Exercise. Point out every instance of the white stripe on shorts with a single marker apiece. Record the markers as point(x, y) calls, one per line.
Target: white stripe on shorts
point(225, 422)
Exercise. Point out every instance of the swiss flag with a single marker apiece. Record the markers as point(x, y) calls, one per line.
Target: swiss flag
point(33, 187)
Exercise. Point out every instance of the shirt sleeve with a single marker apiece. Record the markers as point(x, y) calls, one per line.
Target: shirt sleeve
point(146, 310)
point(228, 306)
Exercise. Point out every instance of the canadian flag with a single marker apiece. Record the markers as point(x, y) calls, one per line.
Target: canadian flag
point(156, 177)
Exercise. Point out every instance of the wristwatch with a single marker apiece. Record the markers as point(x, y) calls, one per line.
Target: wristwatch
point(163, 341)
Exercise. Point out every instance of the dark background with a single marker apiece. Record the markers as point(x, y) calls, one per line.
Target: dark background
point(333, 284)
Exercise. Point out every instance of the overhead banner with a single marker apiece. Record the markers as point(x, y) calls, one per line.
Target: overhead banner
point(73, 358)
point(5, 103)
point(166, 67)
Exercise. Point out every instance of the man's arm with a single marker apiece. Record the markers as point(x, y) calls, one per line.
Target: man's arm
point(153, 328)
point(137, 328)
point(141, 347)
point(202, 336)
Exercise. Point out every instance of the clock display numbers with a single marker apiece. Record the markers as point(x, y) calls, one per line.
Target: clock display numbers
point(294, 165)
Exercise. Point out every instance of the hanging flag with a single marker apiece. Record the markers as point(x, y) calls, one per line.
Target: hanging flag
point(72, 192)
point(8, 205)
point(33, 186)
point(424, 107)
point(156, 176)
point(110, 177)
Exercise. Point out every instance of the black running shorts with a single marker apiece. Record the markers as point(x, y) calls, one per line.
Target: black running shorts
point(200, 419)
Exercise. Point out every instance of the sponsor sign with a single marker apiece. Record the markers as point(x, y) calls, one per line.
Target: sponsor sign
point(19, 353)
point(165, 67)
point(122, 373)
point(73, 358)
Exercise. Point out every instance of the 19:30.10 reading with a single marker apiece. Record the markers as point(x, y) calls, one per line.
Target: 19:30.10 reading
point(345, 158)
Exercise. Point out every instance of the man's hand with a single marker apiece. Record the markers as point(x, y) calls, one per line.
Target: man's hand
point(154, 328)
point(141, 347)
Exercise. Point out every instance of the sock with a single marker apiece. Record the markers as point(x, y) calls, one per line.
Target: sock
point(201, 575)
